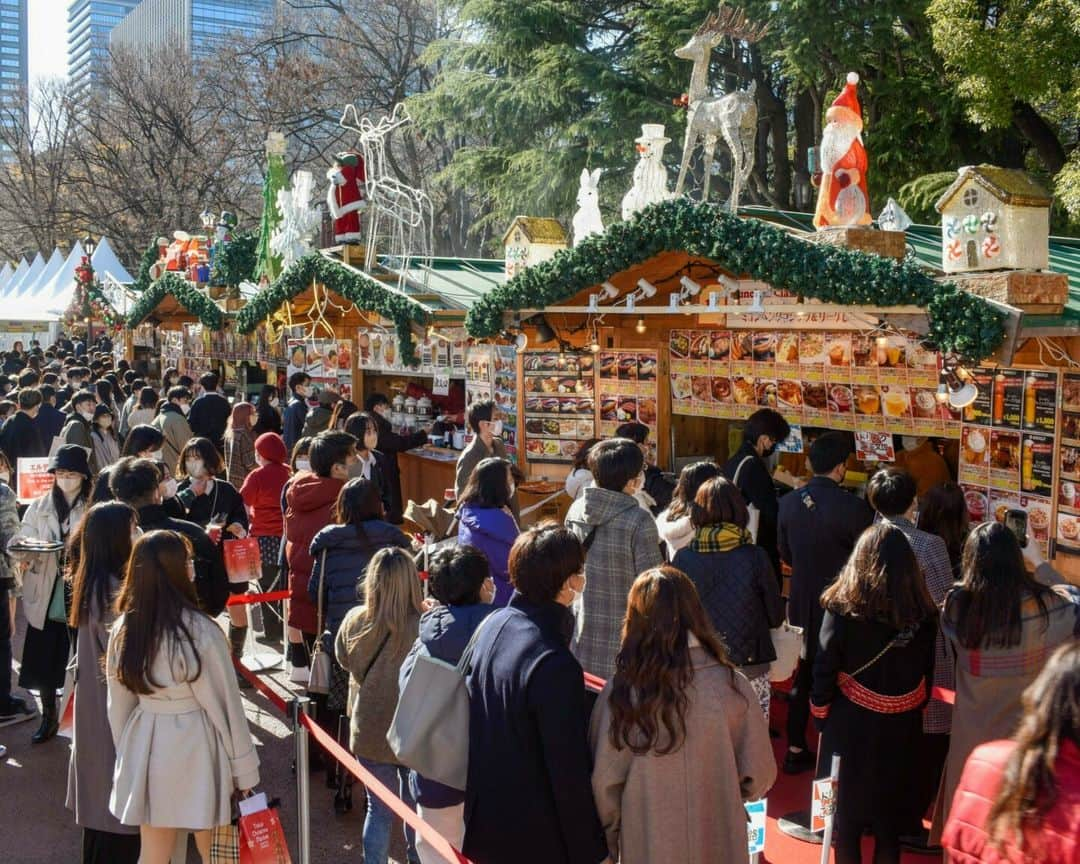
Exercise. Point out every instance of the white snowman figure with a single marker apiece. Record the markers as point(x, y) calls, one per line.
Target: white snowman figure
point(587, 219)
point(650, 175)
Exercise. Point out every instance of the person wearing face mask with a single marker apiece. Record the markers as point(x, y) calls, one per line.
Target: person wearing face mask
point(656, 492)
point(51, 518)
point(297, 409)
point(390, 444)
point(525, 699)
point(371, 464)
point(144, 406)
point(818, 527)
point(172, 422)
point(240, 444)
point(106, 445)
point(748, 470)
point(210, 411)
point(486, 423)
point(485, 520)
point(459, 578)
point(19, 437)
point(79, 427)
point(268, 411)
point(621, 542)
point(921, 460)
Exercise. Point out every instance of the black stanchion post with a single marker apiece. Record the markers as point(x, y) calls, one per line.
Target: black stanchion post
point(301, 706)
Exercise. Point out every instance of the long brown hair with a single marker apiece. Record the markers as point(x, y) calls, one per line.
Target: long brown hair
point(881, 581)
point(104, 546)
point(391, 591)
point(653, 668)
point(943, 511)
point(1051, 714)
point(157, 591)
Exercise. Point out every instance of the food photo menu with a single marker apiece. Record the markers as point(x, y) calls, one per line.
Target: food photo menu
point(1008, 442)
point(1067, 535)
point(560, 404)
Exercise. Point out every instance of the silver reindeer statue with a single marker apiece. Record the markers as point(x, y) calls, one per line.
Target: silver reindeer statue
point(732, 116)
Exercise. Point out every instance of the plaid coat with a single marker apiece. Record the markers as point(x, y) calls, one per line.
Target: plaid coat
point(624, 544)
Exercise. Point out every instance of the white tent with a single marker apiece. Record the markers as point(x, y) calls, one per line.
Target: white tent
point(106, 264)
point(5, 276)
point(16, 277)
point(37, 267)
point(55, 297)
point(52, 266)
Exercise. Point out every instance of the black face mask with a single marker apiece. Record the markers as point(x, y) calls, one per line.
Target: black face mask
point(768, 451)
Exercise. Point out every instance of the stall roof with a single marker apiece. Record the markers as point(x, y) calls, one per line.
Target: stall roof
point(106, 263)
point(925, 243)
point(453, 283)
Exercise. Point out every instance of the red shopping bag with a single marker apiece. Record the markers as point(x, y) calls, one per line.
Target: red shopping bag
point(262, 839)
point(242, 560)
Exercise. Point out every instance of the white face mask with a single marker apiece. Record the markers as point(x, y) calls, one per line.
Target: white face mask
point(136, 533)
point(69, 484)
point(497, 428)
point(195, 468)
point(185, 408)
point(168, 488)
point(303, 464)
point(157, 456)
point(260, 461)
point(88, 416)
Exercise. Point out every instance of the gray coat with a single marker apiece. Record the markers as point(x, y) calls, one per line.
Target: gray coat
point(624, 545)
point(93, 757)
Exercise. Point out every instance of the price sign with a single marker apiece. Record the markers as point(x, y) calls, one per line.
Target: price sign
point(755, 826)
point(823, 804)
point(874, 446)
point(441, 385)
point(34, 478)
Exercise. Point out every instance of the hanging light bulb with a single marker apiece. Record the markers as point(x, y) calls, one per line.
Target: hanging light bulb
point(594, 345)
point(640, 326)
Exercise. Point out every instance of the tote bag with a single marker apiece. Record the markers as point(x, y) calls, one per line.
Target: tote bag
point(752, 512)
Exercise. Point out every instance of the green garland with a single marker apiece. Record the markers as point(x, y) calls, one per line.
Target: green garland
point(149, 258)
point(197, 303)
point(236, 262)
point(367, 293)
point(959, 322)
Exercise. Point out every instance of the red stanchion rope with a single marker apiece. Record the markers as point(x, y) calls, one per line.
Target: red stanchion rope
point(940, 693)
point(244, 599)
point(594, 682)
point(439, 843)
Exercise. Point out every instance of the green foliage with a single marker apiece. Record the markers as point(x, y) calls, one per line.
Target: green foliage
point(197, 303)
point(920, 195)
point(959, 322)
point(149, 258)
point(367, 293)
point(237, 261)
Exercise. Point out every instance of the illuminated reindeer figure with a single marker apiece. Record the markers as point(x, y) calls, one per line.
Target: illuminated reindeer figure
point(732, 116)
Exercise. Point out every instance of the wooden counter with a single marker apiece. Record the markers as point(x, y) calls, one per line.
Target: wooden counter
point(426, 474)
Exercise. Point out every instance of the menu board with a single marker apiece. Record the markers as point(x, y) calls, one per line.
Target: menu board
point(327, 361)
point(1067, 536)
point(1007, 447)
point(505, 395)
point(833, 379)
point(380, 351)
point(627, 385)
point(560, 404)
point(479, 365)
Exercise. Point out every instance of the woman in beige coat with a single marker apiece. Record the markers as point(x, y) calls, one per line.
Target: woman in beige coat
point(678, 738)
point(182, 741)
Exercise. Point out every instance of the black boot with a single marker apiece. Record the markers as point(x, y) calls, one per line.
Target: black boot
point(237, 637)
point(50, 722)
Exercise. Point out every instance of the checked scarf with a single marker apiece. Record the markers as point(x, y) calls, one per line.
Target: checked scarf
point(720, 538)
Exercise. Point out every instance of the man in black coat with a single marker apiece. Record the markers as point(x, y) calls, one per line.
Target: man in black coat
point(764, 429)
point(210, 412)
point(137, 482)
point(296, 411)
point(19, 438)
point(390, 444)
point(819, 525)
point(50, 419)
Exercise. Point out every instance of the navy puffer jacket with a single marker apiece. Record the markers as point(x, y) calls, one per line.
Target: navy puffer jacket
point(348, 551)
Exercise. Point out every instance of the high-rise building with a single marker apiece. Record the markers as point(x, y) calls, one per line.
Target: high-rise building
point(14, 72)
point(89, 24)
point(199, 26)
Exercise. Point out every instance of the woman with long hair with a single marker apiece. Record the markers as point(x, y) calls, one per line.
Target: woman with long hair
point(734, 579)
point(1001, 621)
point(371, 464)
point(267, 412)
point(182, 741)
point(372, 643)
point(872, 676)
point(52, 518)
point(674, 525)
point(486, 521)
point(943, 511)
point(678, 741)
point(145, 408)
point(580, 476)
point(240, 443)
point(104, 538)
point(1019, 799)
point(103, 434)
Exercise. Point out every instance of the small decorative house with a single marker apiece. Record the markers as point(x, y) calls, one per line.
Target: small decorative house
point(994, 219)
point(530, 240)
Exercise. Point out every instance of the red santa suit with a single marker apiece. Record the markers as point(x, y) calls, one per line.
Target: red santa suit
point(843, 198)
point(345, 195)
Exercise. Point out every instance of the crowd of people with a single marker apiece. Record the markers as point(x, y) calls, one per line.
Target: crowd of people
point(667, 588)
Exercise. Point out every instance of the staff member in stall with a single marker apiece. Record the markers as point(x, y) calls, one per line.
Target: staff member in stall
point(921, 460)
point(390, 444)
point(486, 422)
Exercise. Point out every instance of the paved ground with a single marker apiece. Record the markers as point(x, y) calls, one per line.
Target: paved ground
point(36, 829)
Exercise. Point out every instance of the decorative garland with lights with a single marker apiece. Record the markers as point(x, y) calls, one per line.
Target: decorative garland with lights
point(143, 279)
point(960, 323)
point(365, 292)
point(190, 297)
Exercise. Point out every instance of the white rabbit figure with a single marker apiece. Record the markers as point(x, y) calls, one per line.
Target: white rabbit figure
point(587, 219)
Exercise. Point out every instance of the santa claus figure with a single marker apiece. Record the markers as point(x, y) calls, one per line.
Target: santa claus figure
point(842, 198)
point(345, 195)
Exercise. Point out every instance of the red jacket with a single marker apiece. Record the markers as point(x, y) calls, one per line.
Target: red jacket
point(966, 839)
point(262, 497)
point(310, 503)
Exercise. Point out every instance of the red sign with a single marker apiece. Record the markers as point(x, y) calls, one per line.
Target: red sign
point(34, 478)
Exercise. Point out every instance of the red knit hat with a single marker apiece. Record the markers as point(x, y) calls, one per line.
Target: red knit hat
point(845, 107)
point(271, 447)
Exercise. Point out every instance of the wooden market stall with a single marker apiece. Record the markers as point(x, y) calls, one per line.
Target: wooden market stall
point(688, 320)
